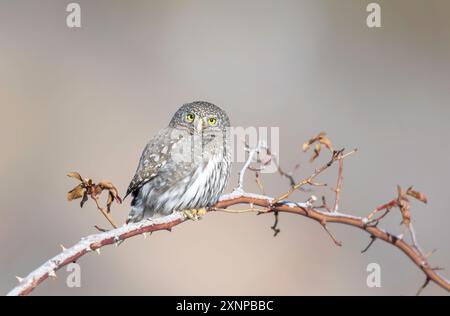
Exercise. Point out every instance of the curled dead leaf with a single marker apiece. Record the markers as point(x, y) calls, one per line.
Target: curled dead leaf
point(76, 193)
point(306, 146)
point(87, 188)
point(316, 154)
point(84, 199)
point(324, 140)
point(417, 195)
point(75, 175)
point(113, 193)
point(320, 140)
point(105, 185)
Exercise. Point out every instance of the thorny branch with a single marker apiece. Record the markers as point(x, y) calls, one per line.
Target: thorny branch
point(261, 204)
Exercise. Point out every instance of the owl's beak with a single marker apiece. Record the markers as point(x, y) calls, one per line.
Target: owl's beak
point(199, 126)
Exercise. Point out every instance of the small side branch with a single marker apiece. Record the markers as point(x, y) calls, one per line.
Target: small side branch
point(338, 188)
point(336, 242)
point(372, 240)
point(252, 152)
point(274, 227)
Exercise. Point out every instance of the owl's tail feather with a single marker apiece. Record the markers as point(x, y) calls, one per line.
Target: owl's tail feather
point(135, 216)
point(137, 211)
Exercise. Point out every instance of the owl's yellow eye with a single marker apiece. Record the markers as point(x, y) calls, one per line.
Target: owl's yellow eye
point(212, 121)
point(190, 117)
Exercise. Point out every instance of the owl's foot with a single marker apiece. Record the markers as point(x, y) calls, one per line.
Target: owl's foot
point(194, 214)
point(201, 212)
point(191, 214)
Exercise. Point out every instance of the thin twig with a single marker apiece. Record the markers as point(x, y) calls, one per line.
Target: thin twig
point(103, 211)
point(251, 154)
point(336, 157)
point(385, 207)
point(338, 188)
point(414, 238)
point(288, 175)
point(336, 242)
point(259, 182)
point(274, 227)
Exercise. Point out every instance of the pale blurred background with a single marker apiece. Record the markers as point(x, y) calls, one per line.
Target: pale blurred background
point(89, 99)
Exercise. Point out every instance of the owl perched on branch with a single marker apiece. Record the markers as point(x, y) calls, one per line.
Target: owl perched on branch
point(185, 167)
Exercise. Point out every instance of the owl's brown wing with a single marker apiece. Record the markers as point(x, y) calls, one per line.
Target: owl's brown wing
point(154, 156)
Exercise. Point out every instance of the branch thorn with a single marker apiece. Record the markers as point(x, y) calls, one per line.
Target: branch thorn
point(425, 284)
point(373, 238)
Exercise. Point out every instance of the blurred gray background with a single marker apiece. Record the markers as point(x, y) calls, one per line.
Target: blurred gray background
point(89, 99)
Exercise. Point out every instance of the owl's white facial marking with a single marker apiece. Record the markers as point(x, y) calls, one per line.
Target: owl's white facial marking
point(199, 125)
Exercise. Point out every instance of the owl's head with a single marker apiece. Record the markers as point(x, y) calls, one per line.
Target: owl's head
point(200, 117)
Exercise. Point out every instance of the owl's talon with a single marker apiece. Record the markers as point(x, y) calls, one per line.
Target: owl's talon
point(201, 212)
point(191, 214)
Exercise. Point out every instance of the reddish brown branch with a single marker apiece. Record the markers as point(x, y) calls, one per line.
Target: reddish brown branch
point(265, 204)
point(356, 222)
point(89, 244)
point(97, 241)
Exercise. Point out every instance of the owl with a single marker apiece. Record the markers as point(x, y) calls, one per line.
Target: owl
point(185, 167)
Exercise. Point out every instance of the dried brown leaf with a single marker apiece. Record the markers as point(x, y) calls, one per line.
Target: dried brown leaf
point(417, 195)
point(320, 139)
point(84, 199)
point(105, 185)
point(113, 193)
point(306, 146)
point(109, 202)
point(97, 190)
point(324, 140)
point(316, 152)
point(76, 192)
point(75, 175)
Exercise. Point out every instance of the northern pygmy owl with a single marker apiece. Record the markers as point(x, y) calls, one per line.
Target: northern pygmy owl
point(184, 167)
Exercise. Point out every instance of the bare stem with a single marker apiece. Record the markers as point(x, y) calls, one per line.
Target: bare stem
point(103, 211)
